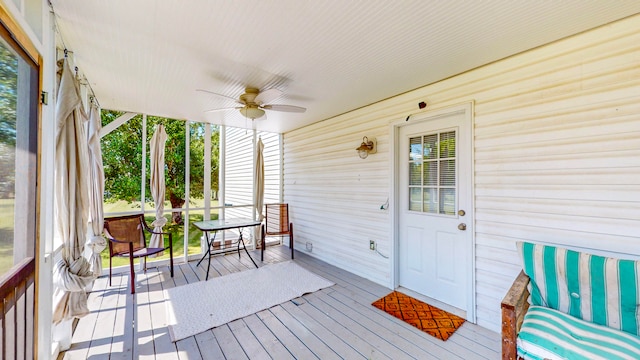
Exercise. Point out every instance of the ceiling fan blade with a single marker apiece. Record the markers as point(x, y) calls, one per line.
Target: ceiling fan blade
point(216, 94)
point(267, 96)
point(285, 108)
point(224, 109)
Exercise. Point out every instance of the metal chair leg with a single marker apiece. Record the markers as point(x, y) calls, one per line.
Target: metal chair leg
point(264, 242)
point(171, 255)
point(291, 239)
point(132, 276)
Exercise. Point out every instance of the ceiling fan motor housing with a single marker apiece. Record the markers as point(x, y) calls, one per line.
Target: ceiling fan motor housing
point(249, 96)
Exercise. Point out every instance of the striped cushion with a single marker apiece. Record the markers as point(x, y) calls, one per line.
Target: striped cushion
point(550, 334)
point(597, 289)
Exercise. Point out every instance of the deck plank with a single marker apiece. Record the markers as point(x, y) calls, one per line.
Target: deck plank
point(248, 341)
point(243, 262)
point(228, 343)
point(232, 262)
point(371, 332)
point(394, 325)
point(164, 348)
point(217, 265)
point(286, 337)
point(310, 339)
point(208, 345)
point(367, 349)
point(201, 271)
point(269, 342)
point(189, 274)
point(143, 348)
point(337, 322)
point(358, 301)
point(83, 334)
point(314, 327)
point(122, 341)
point(187, 348)
point(103, 334)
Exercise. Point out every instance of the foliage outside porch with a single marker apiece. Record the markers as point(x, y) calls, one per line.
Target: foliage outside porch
point(201, 160)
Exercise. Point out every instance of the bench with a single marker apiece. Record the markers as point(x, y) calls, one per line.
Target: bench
point(566, 304)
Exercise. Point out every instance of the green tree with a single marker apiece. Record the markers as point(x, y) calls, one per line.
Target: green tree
point(8, 89)
point(121, 151)
point(8, 105)
point(122, 158)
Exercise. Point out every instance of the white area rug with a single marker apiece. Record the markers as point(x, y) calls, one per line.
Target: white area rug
point(197, 307)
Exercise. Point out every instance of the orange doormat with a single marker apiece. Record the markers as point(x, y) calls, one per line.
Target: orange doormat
point(430, 319)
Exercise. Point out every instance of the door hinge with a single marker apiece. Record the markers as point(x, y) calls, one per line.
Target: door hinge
point(44, 98)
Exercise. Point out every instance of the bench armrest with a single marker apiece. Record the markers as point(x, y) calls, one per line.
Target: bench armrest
point(514, 306)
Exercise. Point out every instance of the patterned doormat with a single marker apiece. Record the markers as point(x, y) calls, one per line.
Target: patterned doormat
point(430, 319)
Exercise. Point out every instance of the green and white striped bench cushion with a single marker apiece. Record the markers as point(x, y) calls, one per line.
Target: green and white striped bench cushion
point(550, 334)
point(593, 288)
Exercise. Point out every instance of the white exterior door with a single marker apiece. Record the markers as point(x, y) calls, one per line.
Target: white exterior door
point(435, 204)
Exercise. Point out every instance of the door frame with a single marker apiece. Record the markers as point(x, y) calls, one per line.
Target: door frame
point(394, 131)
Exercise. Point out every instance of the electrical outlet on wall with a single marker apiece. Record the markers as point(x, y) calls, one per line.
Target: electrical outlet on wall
point(372, 245)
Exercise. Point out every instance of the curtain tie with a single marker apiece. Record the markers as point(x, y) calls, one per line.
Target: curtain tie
point(159, 222)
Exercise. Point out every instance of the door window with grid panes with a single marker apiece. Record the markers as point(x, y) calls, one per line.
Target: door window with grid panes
point(432, 173)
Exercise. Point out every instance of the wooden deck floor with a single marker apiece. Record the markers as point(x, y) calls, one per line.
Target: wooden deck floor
point(334, 323)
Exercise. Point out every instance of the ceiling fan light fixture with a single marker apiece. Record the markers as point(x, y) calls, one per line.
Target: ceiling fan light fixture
point(252, 112)
point(254, 102)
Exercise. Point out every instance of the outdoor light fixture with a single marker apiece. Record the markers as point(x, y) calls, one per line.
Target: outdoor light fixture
point(367, 147)
point(252, 112)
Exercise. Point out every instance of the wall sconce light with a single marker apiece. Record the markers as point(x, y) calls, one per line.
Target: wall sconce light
point(367, 147)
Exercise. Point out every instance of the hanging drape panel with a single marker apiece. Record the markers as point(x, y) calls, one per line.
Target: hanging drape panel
point(258, 185)
point(95, 241)
point(73, 273)
point(157, 143)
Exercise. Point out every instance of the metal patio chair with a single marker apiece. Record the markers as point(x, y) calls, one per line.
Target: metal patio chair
point(126, 235)
point(276, 223)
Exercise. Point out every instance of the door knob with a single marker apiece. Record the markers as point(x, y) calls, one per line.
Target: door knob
point(462, 226)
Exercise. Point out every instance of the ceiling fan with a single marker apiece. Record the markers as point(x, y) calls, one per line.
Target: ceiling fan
point(254, 102)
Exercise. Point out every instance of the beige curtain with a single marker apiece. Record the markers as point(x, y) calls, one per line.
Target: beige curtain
point(157, 143)
point(95, 241)
point(73, 273)
point(258, 186)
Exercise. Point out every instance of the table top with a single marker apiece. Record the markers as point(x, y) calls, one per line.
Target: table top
point(214, 225)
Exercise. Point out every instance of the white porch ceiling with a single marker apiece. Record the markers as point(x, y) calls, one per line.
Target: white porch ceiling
point(330, 56)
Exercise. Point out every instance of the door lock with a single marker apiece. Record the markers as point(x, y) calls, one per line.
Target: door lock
point(461, 212)
point(462, 226)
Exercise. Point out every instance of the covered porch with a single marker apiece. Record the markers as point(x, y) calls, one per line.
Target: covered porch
point(499, 122)
point(334, 323)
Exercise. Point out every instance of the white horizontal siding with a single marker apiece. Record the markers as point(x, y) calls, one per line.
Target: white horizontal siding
point(335, 196)
point(238, 172)
point(239, 152)
point(557, 145)
point(556, 160)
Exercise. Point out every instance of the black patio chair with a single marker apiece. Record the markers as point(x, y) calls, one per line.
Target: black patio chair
point(276, 223)
point(126, 235)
